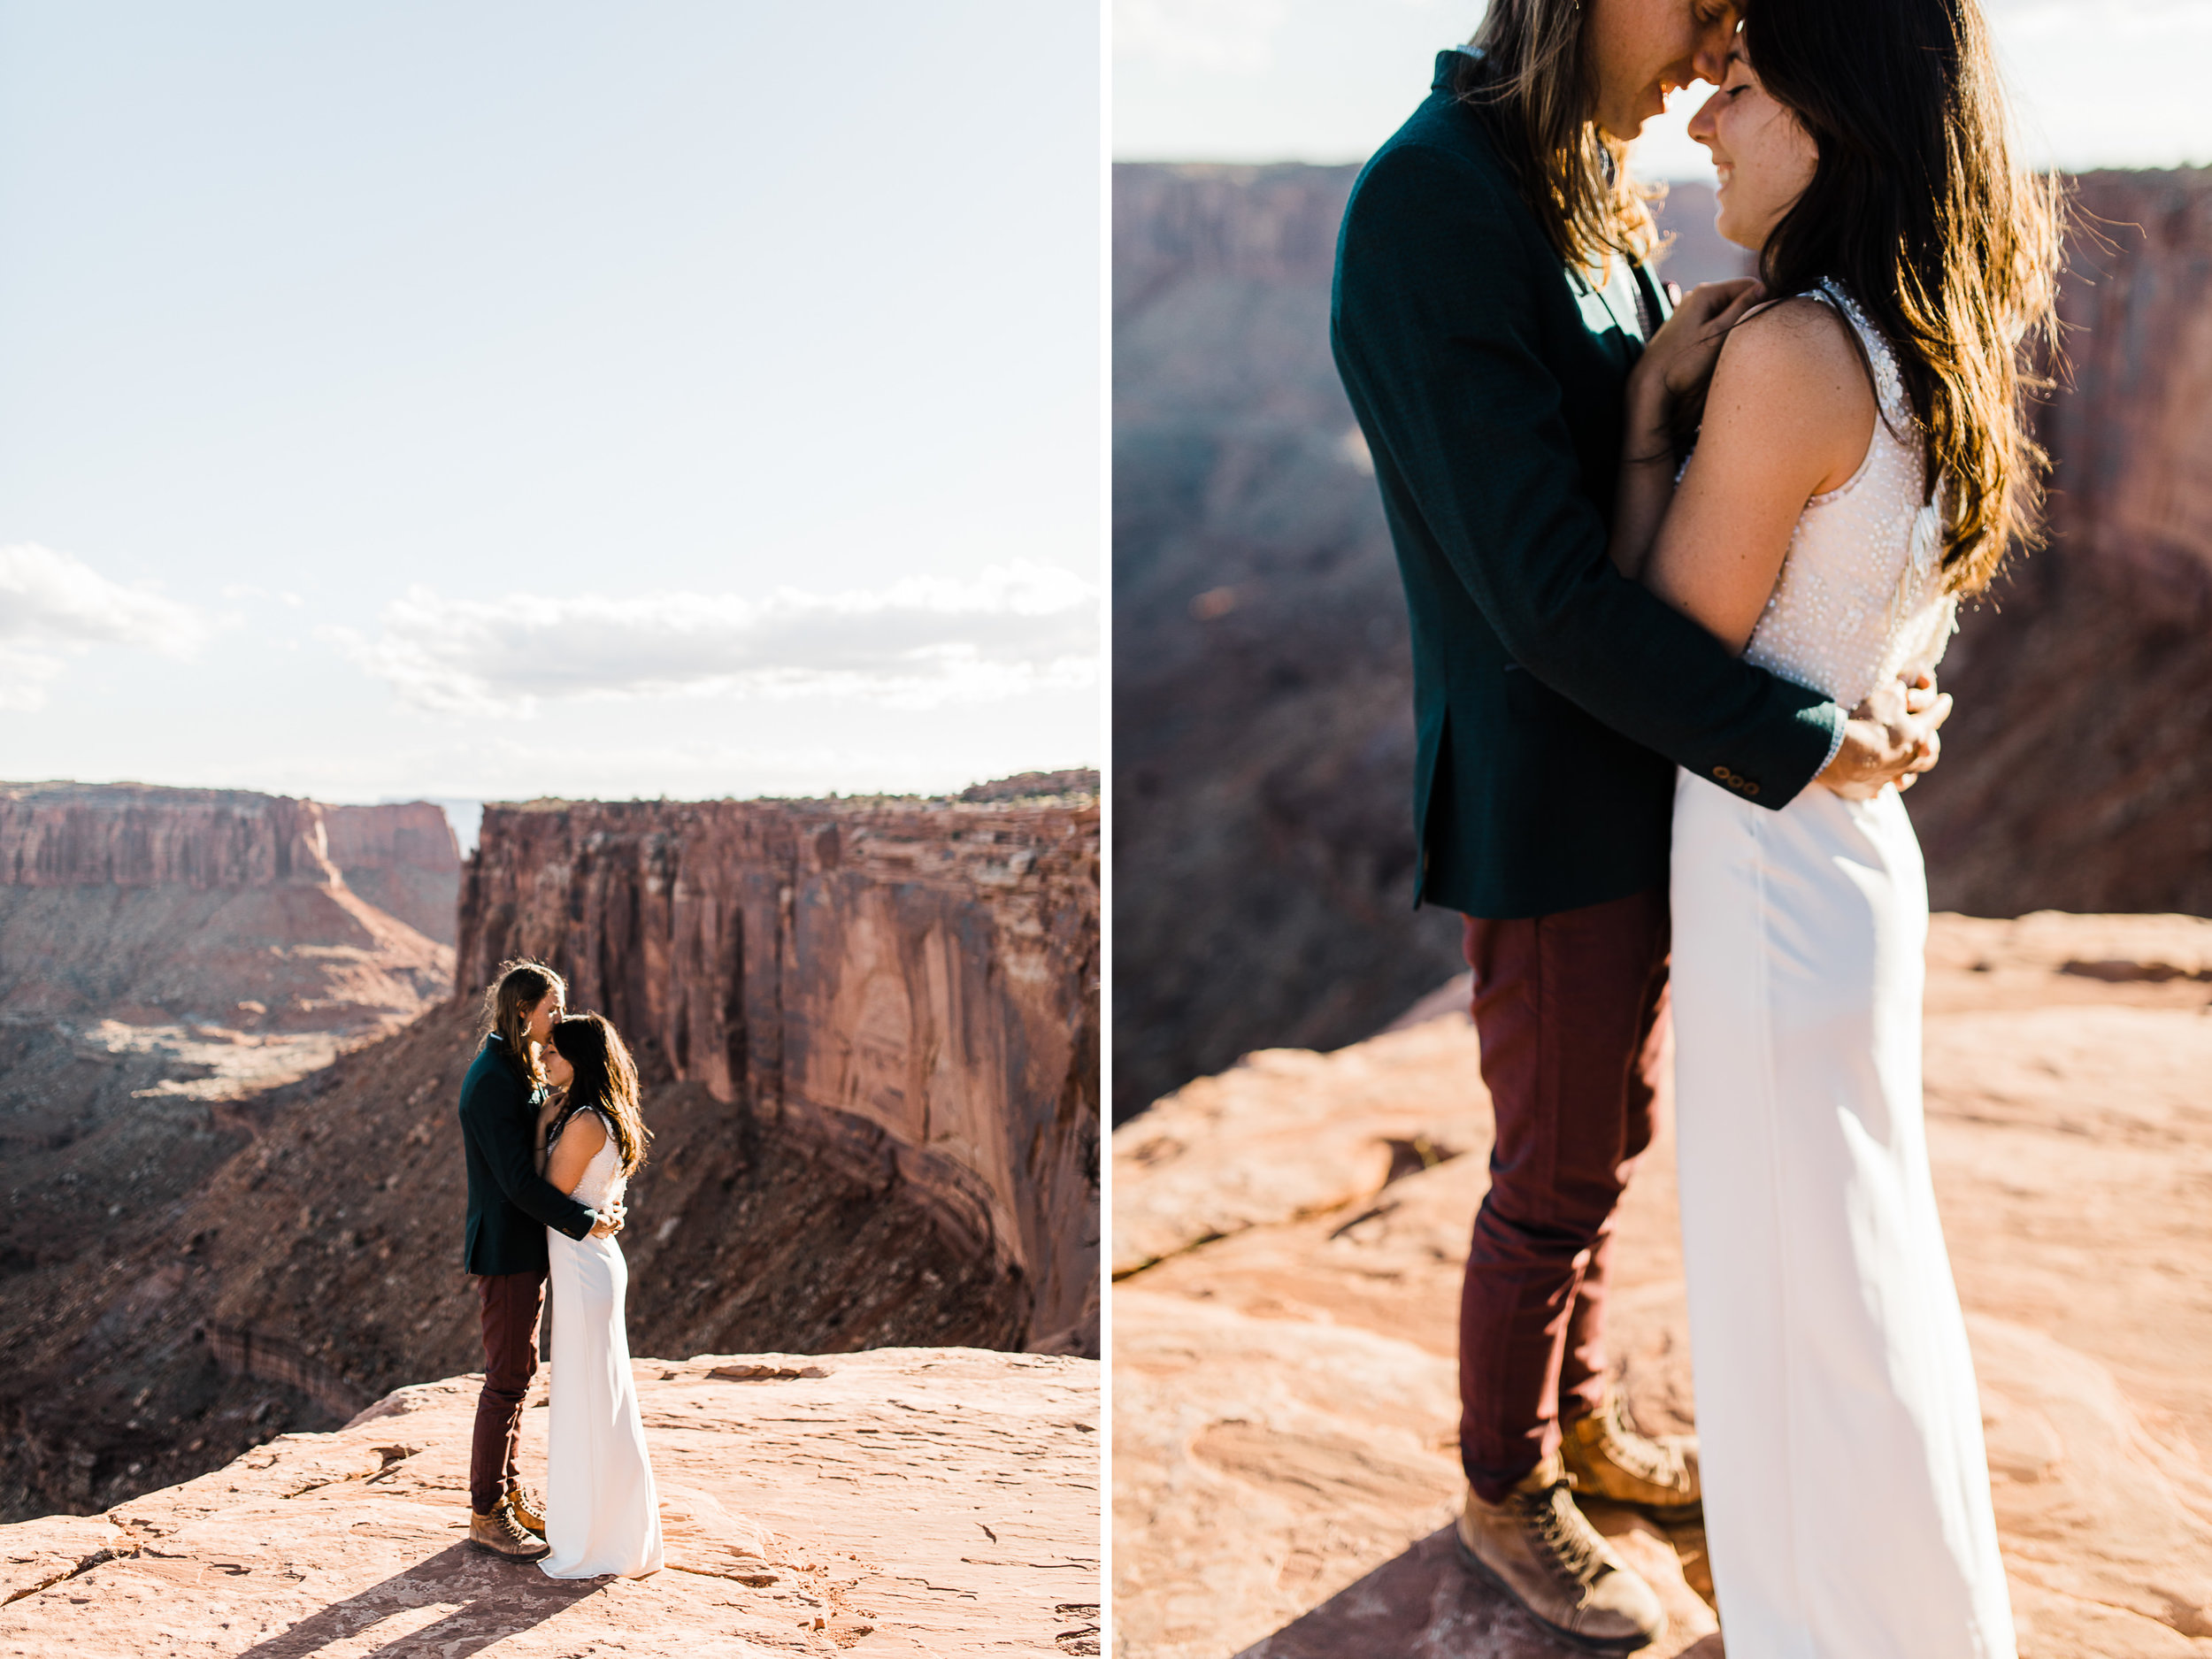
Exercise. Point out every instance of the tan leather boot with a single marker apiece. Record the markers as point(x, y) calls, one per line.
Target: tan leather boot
point(1540, 1549)
point(527, 1508)
point(1609, 1459)
point(499, 1533)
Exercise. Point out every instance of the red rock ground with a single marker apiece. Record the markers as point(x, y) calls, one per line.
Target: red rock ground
point(904, 1501)
point(1288, 1239)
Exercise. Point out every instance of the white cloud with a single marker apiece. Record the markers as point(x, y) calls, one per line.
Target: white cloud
point(920, 643)
point(54, 606)
point(1234, 35)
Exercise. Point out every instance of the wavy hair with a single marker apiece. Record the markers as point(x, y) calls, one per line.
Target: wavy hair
point(1918, 207)
point(519, 986)
point(606, 1078)
point(1531, 80)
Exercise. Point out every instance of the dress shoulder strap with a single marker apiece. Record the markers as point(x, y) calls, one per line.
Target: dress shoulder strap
point(1889, 386)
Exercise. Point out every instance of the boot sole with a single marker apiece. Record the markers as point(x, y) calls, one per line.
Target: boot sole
point(512, 1554)
point(1609, 1645)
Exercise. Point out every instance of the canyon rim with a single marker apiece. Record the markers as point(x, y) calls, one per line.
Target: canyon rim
point(868, 1031)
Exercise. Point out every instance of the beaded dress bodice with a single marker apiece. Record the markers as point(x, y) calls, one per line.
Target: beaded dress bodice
point(603, 1179)
point(1861, 598)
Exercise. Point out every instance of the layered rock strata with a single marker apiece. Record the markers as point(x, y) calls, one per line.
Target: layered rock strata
point(908, 988)
point(1261, 681)
point(166, 955)
point(905, 1501)
point(210, 908)
point(1288, 1238)
point(402, 859)
point(868, 1033)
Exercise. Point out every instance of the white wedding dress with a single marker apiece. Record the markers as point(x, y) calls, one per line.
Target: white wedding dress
point(1847, 1490)
point(602, 1511)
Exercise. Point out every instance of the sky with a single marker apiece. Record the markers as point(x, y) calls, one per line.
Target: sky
point(491, 401)
point(2095, 83)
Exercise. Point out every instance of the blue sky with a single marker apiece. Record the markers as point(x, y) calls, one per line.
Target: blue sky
point(505, 399)
point(2096, 84)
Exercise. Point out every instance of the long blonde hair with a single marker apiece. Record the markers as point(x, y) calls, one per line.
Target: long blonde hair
point(1532, 80)
point(521, 985)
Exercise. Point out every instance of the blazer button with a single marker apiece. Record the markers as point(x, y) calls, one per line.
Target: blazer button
point(1721, 773)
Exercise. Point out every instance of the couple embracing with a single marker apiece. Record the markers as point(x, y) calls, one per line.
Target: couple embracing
point(551, 1125)
point(1678, 580)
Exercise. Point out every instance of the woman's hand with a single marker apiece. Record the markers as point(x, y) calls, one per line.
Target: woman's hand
point(1677, 361)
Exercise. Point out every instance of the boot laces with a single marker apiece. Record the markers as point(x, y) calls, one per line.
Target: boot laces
point(1638, 1454)
point(504, 1518)
point(1566, 1539)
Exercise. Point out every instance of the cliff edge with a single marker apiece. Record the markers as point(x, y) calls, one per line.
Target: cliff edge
point(904, 1501)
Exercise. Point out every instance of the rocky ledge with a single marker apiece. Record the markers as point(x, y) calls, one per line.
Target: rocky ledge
point(903, 1500)
point(1287, 1244)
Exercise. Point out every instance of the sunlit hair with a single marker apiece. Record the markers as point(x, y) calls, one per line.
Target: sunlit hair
point(606, 1077)
point(1533, 82)
point(519, 986)
point(1918, 207)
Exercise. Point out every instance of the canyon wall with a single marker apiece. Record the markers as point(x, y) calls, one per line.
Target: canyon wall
point(1262, 677)
point(217, 908)
point(404, 859)
point(869, 1036)
point(910, 985)
point(137, 835)
point(2075, 771)
point(165, 956)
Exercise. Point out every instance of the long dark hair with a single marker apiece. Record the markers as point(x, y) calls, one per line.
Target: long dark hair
point(1916, 206)
point(1532, 81)
point(521, 985)
point(606, 1078)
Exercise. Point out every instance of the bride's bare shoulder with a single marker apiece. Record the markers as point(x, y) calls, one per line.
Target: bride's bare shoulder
point(1796, 367)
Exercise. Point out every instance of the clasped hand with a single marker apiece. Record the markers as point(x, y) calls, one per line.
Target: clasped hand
point(609, 1221)
point(1893, 738)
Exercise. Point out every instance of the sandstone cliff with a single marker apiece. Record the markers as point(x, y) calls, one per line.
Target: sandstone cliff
point(907, 1502)
point(165, 954)
point(1261, 681)
point(908, 987)
point(1287, 1242)
point(404, 859)
point(196, 907)
point(2075, 771)
point(868, 1032)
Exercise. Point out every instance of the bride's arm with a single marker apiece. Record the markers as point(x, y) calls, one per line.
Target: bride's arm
point(574, 1152)
point(1674, 366)
point(1788, 416)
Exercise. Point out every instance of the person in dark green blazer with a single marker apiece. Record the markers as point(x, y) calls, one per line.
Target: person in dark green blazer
point(510, 1204)
point(1488, 304)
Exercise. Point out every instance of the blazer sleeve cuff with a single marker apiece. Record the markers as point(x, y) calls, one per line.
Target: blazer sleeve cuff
point(1835, 744)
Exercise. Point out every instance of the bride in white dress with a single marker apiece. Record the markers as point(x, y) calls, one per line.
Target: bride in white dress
point(602, 1512)
point(1845, 1487)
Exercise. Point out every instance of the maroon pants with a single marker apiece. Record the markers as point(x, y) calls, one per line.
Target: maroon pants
point(1571, 1009)
point(511, 1303)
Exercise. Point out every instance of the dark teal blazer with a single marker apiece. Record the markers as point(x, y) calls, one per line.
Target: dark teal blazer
point(510, 1205)
point(1553, 697)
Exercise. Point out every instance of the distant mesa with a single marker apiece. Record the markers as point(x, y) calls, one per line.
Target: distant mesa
point(1036, 786)
point(404, 859)
point(220, 909)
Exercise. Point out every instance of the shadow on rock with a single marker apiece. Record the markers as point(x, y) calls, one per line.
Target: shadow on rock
point(496, 1599)
point(1423, 1604)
